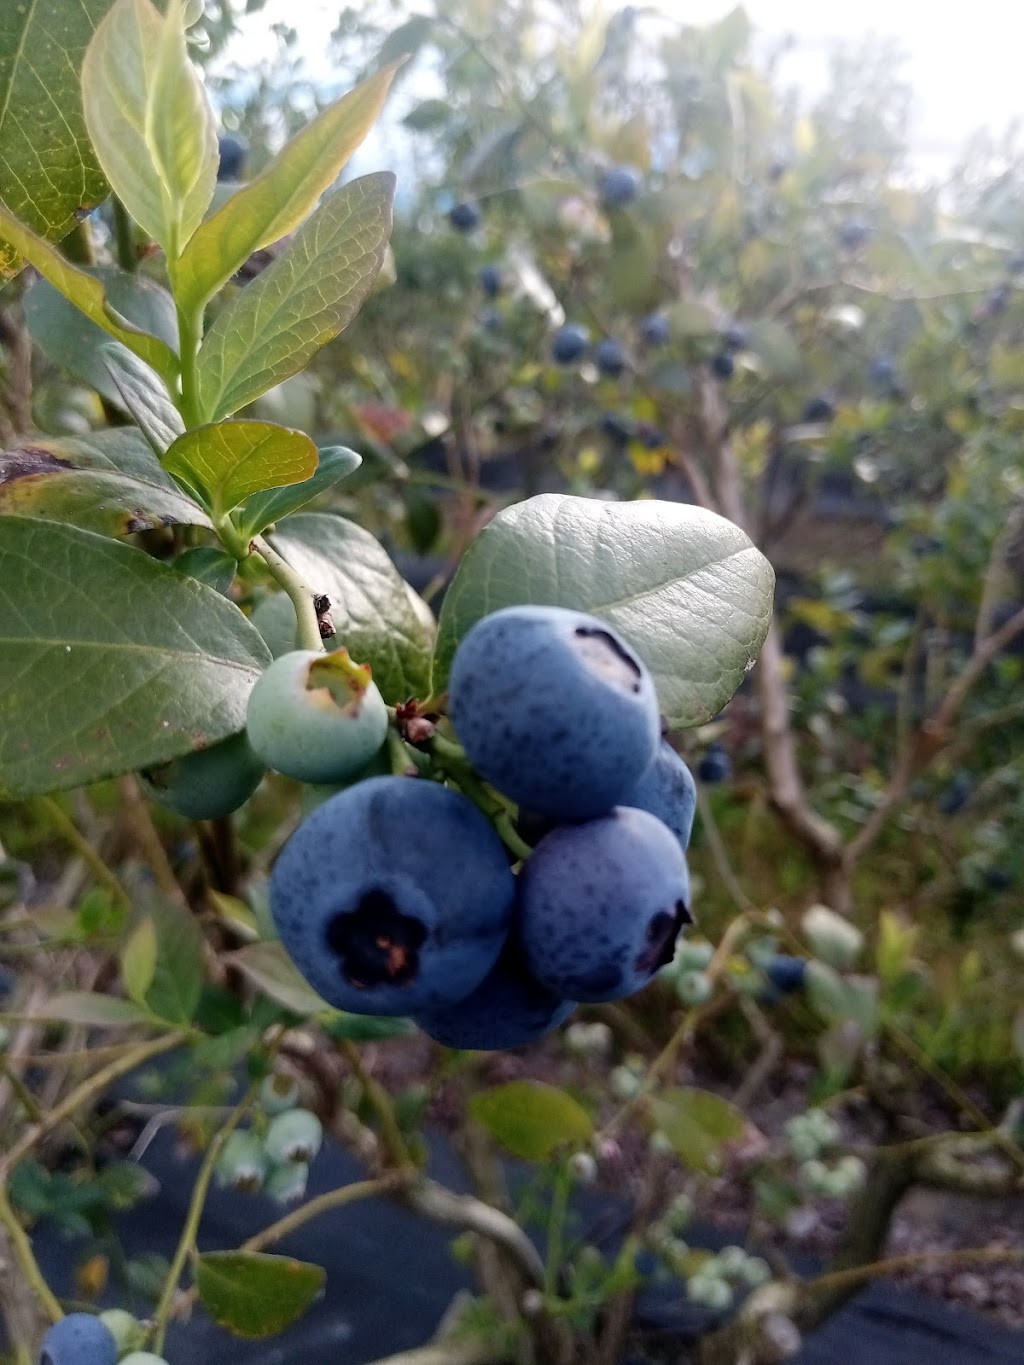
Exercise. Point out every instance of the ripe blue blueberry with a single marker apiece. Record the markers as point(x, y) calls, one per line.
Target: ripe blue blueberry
point(956, 795)
point(232, 152)
point(618, 430)
point(715, 766)
point(79, 1339)
point(465, 217)
point(853, 233)
point(723, 365)
point(619, 186)
point(734, 338)
point(820, 408)
point(490, 280)
point(393, 897)
point(569, 344)
point(610, 358)
point(209, 783)
point(654, 330)
point(785, 973)
point(508, 1009)
point(667, 790)
point(601, 904)
point(316, 717)
point(554, 709)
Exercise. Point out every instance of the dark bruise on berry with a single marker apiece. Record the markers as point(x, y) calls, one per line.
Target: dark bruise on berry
point(662, 932)
point(607, 657)
point(376, 944)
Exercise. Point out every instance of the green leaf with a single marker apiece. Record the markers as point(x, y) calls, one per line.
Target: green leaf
point(48, 170)
point(150, 121)
point(87, 293)
point(531, 1119)
point(110, 661)
point(269, 967)
point(84, 1007)
point(774, 345)
point(216, 568)
point(366, 1028)
point(263, 509)
point(119, 450)
point(698, 1124)
point(373, 615)
point(143, 395)
point(229, 461)
point(253, 1294)
point(138, 960)
point(685, 587)
point(310, 293)
point(67, 337)
point(282, 196)
point(178, 972)
point(42, 481)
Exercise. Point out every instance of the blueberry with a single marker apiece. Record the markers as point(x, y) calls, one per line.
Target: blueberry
point(616, 428)
point(79, 1339)
point(316, 717)
point(490, 280)
point(554, 709)
point(882, 369)
point(650, 436)
point(508, 1009)
point(569, 344)
point(786, 974)
point(465, 217)
point(667, 790)
point(820, 408)
point(619, 186)
point(735, 338)
point(393, 897)
point(854, 233)
point(601, 904)
point(233, 152)
point(956, 795)
point(610, 358)
point(715, 766)
point(723, 365)
point(209, 783)
point(654, 330)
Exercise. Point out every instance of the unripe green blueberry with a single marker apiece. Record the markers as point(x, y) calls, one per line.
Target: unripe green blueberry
point(710, 1291)
point(815, 1176)
point(691, 956)
point(824, 1127)
point(209, 783)
point(316, 717)
point(278, 1093)
point(623, 1083)
point(660, 1144)
point(680, 1214)
point(731, 1260)
point(834, 939)
point(286, 1184)
point(293, 1136)
point(583, 1168)
point(127, 1331)
point(755, 1271)
point(143, 1358)
point(854, 1172)
point(694, 988)
point(243, 1162)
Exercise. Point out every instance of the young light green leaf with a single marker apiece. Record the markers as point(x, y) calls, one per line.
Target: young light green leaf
point(685, 587)
point(68, 338)
point(87, 293)
point(229, 461)
point(45, 481)
point(531, 1119)
point(305, 298)
point(149, 120)
point(253, 1294)
point(263, 509)
point(48, 171)
point(282, 196)
point(144, 396)
point(89, 689)
point(138, 960)
point(181, 134)
point(372, 612)
point(698, 1124)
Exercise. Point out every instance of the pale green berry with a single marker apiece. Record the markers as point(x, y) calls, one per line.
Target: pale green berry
point(710, 1291)
point(680, 1213)
point(208, 783)
point(286, 1184)
point(855, 1172)
point(755, 1271)
point(583, 1168)
point(694, 988)
point(691, 956)
point(243, 1162)
point(731, 1260)
point(623, 1083)
point(278, 1093)
point(293, 1136)
point(834, 939)
point(660, 1144)
point(127, 1331)
point(143, 1358)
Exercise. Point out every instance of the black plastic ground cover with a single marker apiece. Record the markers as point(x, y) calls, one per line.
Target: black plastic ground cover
point(391, 1275)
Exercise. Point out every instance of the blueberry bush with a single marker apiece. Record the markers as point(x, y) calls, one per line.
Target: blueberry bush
point(636, 322)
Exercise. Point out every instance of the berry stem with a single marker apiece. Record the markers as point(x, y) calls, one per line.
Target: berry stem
point(452, 759)
point(298, 590)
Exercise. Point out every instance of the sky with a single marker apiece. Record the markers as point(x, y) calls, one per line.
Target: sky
point(963, 61)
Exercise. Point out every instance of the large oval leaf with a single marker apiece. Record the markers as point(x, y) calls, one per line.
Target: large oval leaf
point(686, 588)
point(531, 1119)
point(253, 1294)
point(110, 661)
point(372, 612)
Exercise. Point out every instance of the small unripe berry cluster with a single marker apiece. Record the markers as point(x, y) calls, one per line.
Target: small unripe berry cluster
point(273, 1155)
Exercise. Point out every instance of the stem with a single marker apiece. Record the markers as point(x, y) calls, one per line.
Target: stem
point(195, 1212)
point(451, 757)
point(380, 1101)
point(71, 833)
point(22, 1248)
point(325, 1203)
point(844, 1280)
point(298, 590)
point(190, 335)
point(556, 1227)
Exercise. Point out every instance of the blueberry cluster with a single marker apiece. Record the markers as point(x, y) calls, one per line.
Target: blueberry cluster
point(273, 1155)
point(396, 895)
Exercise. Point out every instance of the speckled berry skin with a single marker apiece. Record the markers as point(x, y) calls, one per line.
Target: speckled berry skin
point(667, 790)
point(554, 709)
point(601, 905)
point(78, 1339)
point(392, 897)
point(508, 1009)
